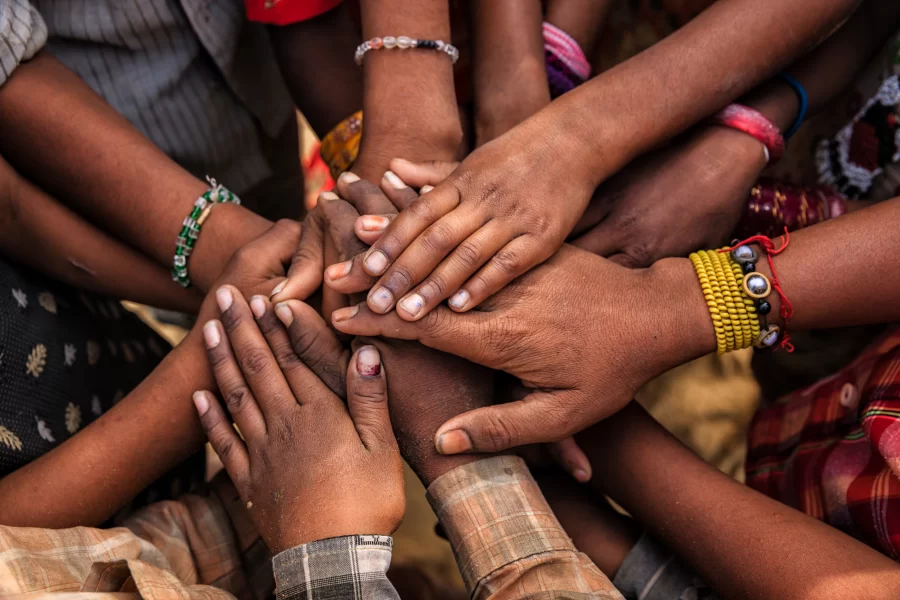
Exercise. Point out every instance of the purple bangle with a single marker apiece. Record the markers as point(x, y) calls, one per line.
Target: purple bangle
point(403, 42)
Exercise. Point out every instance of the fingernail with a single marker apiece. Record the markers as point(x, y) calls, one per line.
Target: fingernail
point(347, 178)
point(342, 314)
point(381, 299)
point(224, 299)
point(395, 181)
point(257, 306)
point(454, 442)
point(329, 196)
point(372, 223)
point(403, 161)
point(339, 270)
point(201, 401)
point(459, 299)
point(284, 313)
point(581, 476)
point(368, 362)
point(376, 262)
point(211, 334)
point(278, 288)
point(413, 304)
point(425, 189)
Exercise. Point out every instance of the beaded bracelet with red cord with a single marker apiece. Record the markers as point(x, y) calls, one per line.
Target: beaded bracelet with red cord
point(757, 286)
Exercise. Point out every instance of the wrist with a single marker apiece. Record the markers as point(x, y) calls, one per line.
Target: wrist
point(228, 228)
point(509, 97)
point(776, 101)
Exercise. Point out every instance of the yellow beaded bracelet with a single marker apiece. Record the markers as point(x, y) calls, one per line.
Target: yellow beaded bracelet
point(733, 313)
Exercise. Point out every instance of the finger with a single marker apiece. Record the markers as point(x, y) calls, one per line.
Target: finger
point(305, 273)
point(400, 194)
point(223, 438)
point(233, 388)
point(512, 260)
point(364, 196)
point(408, 226)
point(315, 345)
point(453, 272)
point(503, 426)
point(257, 363)
point(369, 228)
point(602, 240)
point(332, 299)
point(425, 173)
point(348, 277)
point(628, 261)
point(367, 399)
point(420, 259)
point(341, 218)
point(571, 458)
point(463, 335)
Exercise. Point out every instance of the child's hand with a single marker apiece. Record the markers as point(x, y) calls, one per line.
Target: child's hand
point(500, 213)
point(308, 467)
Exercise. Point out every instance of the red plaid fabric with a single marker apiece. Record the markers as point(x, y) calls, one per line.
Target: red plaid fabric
point(833, 450)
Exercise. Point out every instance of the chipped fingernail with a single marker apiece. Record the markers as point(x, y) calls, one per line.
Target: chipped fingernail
point(395, 181)
point(278, 288)
point(368, 362)
point(425, 189)
point(413, 304)
point(284, 313)
point(347, 178)
point(211, 334)
point(454, 442)
point(381, 299)
point(374, 223)
point(339, 270)
point(201, 401)
point(459, 300)
point(376, 262)
point(342, 314)
point(224, 299)
point(258, 306)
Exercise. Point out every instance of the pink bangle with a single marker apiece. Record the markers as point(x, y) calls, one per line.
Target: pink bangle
point(566, 49)
point(753, 123)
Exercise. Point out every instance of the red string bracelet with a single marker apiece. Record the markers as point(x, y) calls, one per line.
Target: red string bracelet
point(753, 123)
point(787, 309)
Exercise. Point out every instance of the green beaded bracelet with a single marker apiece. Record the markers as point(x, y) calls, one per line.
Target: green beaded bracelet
point(190, 230)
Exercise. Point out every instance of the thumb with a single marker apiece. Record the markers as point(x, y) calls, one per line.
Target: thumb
point(305, 273)
point(503, 426)
point(430, 172)
point(367, 399)
point(461, 334)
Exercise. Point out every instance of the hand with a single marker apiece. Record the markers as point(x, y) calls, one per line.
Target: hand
point(584, 333)
point(675, 201)
point(308, 467)
point(505, 209)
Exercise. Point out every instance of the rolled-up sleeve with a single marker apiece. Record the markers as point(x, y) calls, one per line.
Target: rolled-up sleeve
point(22, 34)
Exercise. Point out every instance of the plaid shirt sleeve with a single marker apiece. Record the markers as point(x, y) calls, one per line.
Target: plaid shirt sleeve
point(353, 566)
point(507, 542)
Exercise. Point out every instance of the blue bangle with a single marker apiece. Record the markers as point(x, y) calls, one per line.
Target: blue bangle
point(801, 97)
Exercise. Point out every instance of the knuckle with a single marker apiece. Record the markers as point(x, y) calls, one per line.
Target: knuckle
point(507, 262)
point(438, 239)
point(237, 398)
point(468, 255)
point(255, 361)
point(641, 254)
point(289, 226)
point(498, 431)
point(371, 393)
point(401, 277)
point(422, 210)
point(435, 287)
point(224, 444)
point(437, 324)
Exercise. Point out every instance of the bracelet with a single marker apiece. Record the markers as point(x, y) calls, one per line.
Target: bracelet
point(567, 66)
point(802, 98)
point(190, 230)
point(774, 204)
point(753, 123)
point(758, 287)
point(733, 314)
point(403, 42)
point(340, 146)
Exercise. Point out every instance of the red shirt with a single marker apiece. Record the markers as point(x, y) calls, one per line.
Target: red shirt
point(286, 12)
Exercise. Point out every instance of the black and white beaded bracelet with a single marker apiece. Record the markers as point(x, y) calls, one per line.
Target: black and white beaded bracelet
point(403, 42)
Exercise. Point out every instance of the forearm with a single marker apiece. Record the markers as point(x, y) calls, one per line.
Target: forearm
point(88, 478)
point(509, 72)
point(409, 99)
point(714, 59)
point(75, 146)
point(316, 59)
point(43, 234)
point(581, 19)
point(740, 542)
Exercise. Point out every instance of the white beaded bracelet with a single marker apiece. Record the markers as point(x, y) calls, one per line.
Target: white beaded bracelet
point(403, 42)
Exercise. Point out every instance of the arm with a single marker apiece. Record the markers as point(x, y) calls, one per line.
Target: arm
point(47, 236)
point(582, 19)
point(745, 545)
point(77, 148)
point(509, 72)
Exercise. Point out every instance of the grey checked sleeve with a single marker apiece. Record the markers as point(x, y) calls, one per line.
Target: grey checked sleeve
point(22, 34)
point(353, 566)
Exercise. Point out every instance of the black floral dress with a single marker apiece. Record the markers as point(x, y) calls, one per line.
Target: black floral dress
point(66, 357)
